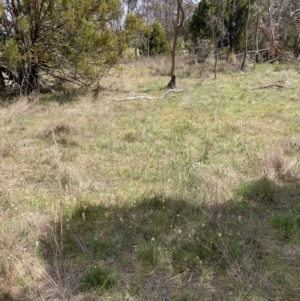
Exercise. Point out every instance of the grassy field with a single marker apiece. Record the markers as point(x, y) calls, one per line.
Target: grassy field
point(195, 196)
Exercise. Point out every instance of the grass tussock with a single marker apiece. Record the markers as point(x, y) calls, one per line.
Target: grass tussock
point(191, 197)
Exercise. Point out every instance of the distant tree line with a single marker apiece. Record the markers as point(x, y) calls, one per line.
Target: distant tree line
point(273, 29)
point(46, 42)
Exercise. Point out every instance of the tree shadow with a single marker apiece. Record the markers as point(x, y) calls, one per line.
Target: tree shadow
point(61, 94)
point(167, 248)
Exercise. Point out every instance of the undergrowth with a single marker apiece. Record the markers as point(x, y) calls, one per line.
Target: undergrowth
point(191, 197)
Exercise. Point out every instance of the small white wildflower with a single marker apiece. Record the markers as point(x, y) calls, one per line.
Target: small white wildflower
point(177, 215)
point(203, 225)
point(219, 234)
point(179, 231)
point(83, 216)
point(36, 243)
point(190, 235)
point(129, 227)
point(152, 239)
point(239, 218)
point(121, 220)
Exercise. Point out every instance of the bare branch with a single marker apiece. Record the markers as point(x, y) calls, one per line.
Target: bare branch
point(147, 97)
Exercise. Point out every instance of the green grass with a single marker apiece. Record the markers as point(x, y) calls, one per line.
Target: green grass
point(96, 278)
point(190, 197)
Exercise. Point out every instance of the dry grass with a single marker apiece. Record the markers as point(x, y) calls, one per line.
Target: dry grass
point(191, 197)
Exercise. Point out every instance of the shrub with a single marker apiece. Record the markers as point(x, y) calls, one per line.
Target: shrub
point(158, 43)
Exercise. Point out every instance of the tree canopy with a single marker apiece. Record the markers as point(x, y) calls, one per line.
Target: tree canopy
point(231, 14)
point(54, 40)
point(51, 41)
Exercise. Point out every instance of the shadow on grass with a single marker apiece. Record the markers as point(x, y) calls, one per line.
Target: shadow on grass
point(62, 95)
point(164, 248)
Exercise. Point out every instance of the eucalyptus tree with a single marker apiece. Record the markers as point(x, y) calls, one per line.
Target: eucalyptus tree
point(46, 41)
point(180, 17)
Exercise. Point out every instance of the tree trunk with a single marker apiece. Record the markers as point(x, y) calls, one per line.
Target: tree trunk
point(173, 53)
point(246, 37)
point(172, 83)
point(179, 24)
point(297, 50)
point(28, 79)
point(216, 57)
point(257, 56)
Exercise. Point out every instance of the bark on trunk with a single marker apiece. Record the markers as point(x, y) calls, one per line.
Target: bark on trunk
point(257, 56)
point(28, 80)
point(179, 24)
point(246, 38)
point(172, 83)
